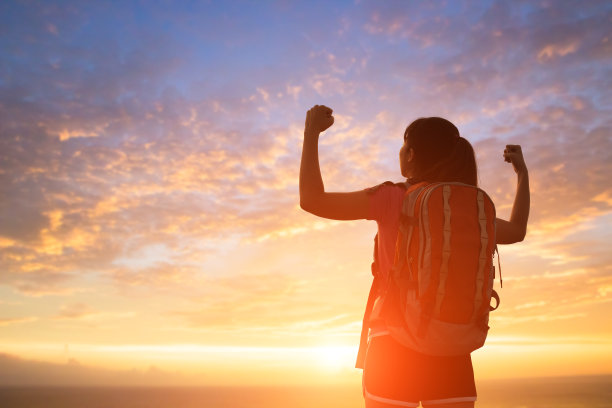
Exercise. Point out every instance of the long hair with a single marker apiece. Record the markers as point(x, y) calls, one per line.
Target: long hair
point(440, 153)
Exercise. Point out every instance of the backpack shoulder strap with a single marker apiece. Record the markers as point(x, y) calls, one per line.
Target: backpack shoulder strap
point(374, 289)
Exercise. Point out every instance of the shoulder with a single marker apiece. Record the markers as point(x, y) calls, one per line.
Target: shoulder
point(388, 186)
point(385, 200)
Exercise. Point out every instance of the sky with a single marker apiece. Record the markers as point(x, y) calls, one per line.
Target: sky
point(150, 228)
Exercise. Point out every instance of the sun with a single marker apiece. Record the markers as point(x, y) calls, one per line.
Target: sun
point(335, 358)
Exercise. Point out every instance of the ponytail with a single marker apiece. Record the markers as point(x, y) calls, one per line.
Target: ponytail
point(461, 165)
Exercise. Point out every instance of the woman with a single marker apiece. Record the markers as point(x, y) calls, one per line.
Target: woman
point(433, 151)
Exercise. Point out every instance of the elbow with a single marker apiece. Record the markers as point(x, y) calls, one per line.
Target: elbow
point(311, 204)
point(306, 205)
point(309, 201)
point(511, 235)
point(520, 235)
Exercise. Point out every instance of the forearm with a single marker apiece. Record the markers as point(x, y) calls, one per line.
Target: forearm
point(520, 208)
point(311, 182)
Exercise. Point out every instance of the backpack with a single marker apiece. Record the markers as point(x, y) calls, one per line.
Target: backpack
point(437, 298)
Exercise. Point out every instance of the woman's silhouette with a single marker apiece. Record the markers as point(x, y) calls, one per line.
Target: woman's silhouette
point(433, 151)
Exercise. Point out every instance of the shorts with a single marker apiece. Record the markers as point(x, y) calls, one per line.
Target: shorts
point(396, 375)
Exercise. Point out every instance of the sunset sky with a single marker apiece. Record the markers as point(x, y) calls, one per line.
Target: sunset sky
point(150, 229)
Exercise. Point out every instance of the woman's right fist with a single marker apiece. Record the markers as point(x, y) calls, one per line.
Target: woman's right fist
point(318, 119)
point(514, 154)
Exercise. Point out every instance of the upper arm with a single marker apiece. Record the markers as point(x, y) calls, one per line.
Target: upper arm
point(339, 206)
point(507, 232)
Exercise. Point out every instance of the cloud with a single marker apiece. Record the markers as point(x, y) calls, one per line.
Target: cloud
point(161, 275)
point(524, 310)
point(557, 50)
point(23, 372)
point(12, 321)
point(78, 315)
point(245, 300)
point(75, 311)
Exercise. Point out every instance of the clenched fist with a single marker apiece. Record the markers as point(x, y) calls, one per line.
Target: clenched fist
point(514, 154)
point(318, 119)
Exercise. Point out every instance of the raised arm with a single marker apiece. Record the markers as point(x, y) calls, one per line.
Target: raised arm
point(509, 232)
point(313, 198)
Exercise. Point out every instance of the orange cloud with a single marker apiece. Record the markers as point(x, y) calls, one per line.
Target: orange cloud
point(557, 50)
point(20, 320)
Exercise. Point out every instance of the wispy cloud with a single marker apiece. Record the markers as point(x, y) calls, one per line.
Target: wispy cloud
point(16, 320)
